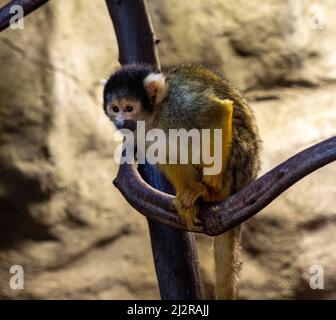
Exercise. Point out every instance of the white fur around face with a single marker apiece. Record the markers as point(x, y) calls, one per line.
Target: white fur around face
point(155, 85)
point(154, 77)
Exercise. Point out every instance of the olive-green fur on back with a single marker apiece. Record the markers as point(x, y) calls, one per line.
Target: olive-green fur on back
point(189, 89)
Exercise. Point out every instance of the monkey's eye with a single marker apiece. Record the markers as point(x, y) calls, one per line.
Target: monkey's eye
point(129, 109)
point(115, 109)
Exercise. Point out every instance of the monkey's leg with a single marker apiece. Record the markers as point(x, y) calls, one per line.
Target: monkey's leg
point(186, 180)
point(217, 184)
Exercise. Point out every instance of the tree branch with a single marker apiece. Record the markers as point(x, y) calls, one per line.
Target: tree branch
point(174, 251)
point(222, 216)
point(134, 31)
point(27, 5)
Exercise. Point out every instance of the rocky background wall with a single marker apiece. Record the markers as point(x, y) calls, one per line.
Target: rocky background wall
point(60, 216)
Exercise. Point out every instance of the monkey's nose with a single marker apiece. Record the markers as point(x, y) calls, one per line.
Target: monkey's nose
point(119, 124)
point(126, 124)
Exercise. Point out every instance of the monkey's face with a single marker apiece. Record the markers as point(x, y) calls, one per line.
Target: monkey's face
point(132, 93)
point(124, 112)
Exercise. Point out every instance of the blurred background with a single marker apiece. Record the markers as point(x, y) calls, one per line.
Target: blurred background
point(63, 220)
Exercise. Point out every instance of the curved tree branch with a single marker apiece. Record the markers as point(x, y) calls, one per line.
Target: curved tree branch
point(222, 216)
point(28, 6)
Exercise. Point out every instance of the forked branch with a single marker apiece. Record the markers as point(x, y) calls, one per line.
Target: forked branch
point(222, 216)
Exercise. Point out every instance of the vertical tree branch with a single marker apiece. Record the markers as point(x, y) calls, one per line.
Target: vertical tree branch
point(174, 251)
point(134, 32)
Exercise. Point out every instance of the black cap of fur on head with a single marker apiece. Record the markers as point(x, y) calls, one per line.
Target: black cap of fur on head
point(128, 82)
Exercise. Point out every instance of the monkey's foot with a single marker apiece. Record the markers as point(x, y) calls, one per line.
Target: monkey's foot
point(189, 196)
point(217, 195)
point(212, 196)
point(189, 216)
point(214, 182)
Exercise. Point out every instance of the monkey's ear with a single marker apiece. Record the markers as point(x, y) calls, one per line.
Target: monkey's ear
point(156, 87)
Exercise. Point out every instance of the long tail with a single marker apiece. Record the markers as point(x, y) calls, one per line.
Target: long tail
point(227, 263)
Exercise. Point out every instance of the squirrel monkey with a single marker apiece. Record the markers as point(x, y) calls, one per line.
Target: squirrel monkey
point(193, 97)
